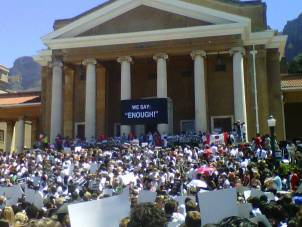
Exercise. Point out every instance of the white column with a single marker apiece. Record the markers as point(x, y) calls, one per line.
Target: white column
point(125, 86)
point(20, 135)
point(239, 86)
point(162, 91)
point(200, 91)
point(56, 101)
point(9, 135)
point(90, 104)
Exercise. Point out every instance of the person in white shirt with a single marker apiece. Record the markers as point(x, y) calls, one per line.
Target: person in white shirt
point(291, 148)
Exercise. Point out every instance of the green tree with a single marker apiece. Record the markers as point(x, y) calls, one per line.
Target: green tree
point(296, 65)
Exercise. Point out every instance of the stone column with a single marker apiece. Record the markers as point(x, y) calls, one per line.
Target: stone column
point(90, 104)
point(162, 91)
point(125, 86)
point(20, 135)
point(200, 91)
point(9, 135)
point(56, 100)
point(239, 86)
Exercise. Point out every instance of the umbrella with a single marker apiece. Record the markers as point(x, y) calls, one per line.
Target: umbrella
point(207, 170)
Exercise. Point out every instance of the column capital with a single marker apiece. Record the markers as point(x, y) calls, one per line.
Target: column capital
point(124, 59)
point(196, 53)
point(240, 50)
point(89, 61)
point(56, 63)
point(160, 56)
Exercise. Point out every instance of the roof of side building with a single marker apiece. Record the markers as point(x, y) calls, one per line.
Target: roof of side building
point(293, 81)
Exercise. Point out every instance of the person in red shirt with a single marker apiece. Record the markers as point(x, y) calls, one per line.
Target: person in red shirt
point(207, 152)
point(294, 181)
point(258, 141)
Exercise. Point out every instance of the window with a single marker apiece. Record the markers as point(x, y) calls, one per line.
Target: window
point(1, 136)
point(79, 129)
point(222, 123)
point(220, 65)
point(187, 126)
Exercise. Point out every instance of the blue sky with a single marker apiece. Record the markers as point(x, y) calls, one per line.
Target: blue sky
point(24, 22)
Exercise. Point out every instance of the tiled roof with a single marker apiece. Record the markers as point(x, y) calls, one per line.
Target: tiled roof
point(291, 82)
point(18, 100)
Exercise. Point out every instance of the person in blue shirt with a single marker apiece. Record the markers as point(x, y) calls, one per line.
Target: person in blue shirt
point(277, 181)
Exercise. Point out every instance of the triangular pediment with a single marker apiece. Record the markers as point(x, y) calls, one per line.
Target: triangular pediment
point(144, 18)
point(130, 16)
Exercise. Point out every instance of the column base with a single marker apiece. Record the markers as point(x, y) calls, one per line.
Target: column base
point(125, 130)
point(163, 129)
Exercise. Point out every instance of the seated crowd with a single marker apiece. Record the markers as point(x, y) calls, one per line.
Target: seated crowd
point(72, 171)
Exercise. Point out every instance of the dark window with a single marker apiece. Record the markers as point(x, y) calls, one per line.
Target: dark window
point(220, 65)
point(82, 72)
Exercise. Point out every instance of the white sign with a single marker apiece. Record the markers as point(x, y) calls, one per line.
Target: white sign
point(100, 213)
point(67, 150)
point(217, 205)
point(12, 194)
point(146, 197)
point(34, 197)
point(244, 210)
point(77, 149)
point(128, 178)
point(94, 167)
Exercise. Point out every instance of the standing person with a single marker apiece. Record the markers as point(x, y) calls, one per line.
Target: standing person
point(291, 149)
point(277, 181)
point(238, 131)
point(294, 181)
point(258, 142)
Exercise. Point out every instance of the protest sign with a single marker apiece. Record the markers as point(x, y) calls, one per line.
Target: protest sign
point(256, 193)
point(100, 213)
point(128, 178)
point(146, 197)
point(67, 150)
point(34, 197)
point(244, 210)
point(77, 149)
point(247, 194)
point(144, 111)
point(217, 205)
point(12, 194)
point(94, 167)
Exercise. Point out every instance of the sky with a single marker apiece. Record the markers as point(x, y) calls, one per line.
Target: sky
point(24, 22)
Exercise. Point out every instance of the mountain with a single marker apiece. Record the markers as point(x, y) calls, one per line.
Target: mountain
point(294, 43)
point(25, 74)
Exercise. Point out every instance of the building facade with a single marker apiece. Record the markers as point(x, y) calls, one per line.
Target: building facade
point(19, 120)
point(215, 60)
point(292, 97)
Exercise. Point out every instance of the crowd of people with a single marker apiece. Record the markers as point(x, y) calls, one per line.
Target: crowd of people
point(72, 171)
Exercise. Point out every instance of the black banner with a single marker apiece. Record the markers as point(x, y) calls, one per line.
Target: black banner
point(144, 111)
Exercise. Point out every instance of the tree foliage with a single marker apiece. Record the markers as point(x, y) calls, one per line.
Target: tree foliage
point(296, 65)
